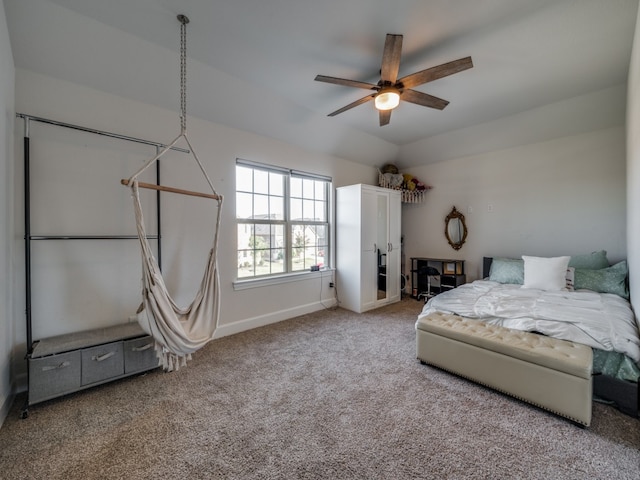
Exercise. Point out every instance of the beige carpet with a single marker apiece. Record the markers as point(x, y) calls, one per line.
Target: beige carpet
point(328, 395)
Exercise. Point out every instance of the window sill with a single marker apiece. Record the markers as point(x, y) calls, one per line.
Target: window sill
point(281, 279)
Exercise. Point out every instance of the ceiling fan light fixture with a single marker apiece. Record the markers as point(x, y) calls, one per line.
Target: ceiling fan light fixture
point(387, 99)
point(390, 89)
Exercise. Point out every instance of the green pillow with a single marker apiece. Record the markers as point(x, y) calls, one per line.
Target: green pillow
point(592, 261)
point(507, 270)
point(604, 280)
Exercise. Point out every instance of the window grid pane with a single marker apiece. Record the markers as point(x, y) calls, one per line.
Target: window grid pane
point(276, 184)
point(308, 188)
point(296, 187)
point(276, 207)
point(260, 181)
point(296, 209)
point(244, 179)
point(320, 211)
point(320, 190)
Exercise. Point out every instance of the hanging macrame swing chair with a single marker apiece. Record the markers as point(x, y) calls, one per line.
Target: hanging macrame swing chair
point(177, 332)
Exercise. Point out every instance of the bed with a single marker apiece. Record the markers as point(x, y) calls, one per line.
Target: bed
point(590, 308)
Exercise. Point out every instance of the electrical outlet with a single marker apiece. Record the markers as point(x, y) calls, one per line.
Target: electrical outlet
point(331, 284)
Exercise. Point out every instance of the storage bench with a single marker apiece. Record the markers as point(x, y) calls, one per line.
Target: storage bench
point(549, 373)
point(67, 363)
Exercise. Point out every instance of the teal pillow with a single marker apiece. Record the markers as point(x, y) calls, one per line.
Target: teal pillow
point(507, 270)
point(592, 261)
point(604, 280)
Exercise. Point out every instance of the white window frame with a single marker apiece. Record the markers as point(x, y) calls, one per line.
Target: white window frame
point(288, 275)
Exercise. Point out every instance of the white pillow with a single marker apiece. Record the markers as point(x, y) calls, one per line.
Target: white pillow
point(545, 273)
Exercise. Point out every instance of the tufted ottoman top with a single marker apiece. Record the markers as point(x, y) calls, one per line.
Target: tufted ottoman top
point(572, 358)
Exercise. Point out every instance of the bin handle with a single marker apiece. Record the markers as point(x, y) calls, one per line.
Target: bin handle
point(142, 348)
point(100, 358)
point(55, 367)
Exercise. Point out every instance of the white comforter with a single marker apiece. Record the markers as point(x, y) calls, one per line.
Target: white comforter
point(603, 321)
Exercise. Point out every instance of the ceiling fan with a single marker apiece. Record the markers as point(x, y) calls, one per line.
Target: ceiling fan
point(390, 90)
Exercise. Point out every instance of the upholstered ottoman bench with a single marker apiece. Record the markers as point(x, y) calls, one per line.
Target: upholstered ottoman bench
point(549, 373)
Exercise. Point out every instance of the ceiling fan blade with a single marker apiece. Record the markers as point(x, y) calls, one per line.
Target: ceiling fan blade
point(434, 73)
point(423, 99)
point(353, 104)
point(391, 58)
point(345, 82)
point(385, 117)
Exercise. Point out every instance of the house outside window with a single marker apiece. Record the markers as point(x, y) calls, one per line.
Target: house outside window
point(282, 220)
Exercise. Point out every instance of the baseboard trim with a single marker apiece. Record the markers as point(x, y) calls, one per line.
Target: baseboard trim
point(6, 407)
point(273, 317)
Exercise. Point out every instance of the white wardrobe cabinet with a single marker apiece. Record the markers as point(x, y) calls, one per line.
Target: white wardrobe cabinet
point(368, 246)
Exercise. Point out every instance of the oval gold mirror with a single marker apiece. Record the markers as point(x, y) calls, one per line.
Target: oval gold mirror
point(455, 229)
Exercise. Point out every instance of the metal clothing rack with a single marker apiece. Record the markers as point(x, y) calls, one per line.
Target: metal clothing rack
point(129, 349)
point(28, 237)
point(140, 364)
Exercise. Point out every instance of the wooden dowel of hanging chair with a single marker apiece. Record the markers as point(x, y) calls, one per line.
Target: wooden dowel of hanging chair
point(162, 188)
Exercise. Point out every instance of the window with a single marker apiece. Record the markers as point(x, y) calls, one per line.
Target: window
point(282, 220)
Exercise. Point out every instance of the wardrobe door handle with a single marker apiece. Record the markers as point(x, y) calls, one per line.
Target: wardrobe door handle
point(100, 358)
point(56, 367)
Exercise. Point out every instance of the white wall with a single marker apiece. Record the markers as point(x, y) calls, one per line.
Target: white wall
point(75, 185)
point(562, 196)
point(7, 75)
point(633, 170)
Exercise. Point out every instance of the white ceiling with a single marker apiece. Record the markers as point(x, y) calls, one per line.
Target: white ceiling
point(251, 63)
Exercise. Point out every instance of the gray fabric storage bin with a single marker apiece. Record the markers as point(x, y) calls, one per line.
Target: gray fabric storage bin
point(74, 361)
point(54, 375)
point(102, 362)
point(139, 355)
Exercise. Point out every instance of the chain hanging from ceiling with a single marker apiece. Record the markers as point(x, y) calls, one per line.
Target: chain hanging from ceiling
point(183, 19)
